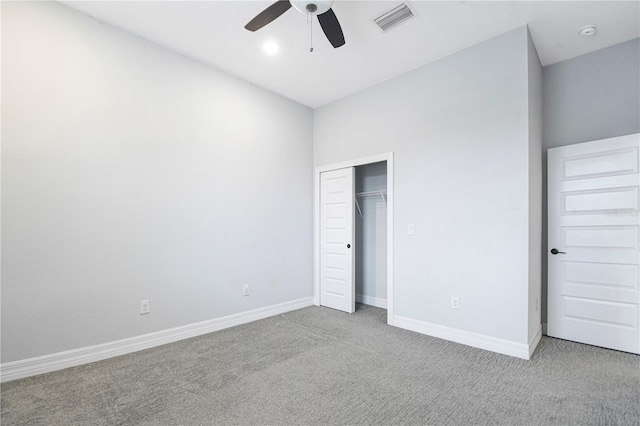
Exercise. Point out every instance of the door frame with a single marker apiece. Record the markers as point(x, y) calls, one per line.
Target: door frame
point(388, 157)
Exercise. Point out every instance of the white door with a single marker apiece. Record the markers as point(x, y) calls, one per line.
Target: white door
point(337, 289)
point(593, 230)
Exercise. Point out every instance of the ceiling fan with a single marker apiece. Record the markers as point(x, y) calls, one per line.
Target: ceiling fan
point(322, 8)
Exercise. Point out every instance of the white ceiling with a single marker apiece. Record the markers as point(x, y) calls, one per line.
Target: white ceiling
point(213, 32)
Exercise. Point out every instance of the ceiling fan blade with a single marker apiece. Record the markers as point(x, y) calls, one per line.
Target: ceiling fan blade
point(331, 27)
point(268, 15)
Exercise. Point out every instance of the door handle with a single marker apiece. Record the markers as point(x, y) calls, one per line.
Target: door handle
point(555, 251)
point(348, 245)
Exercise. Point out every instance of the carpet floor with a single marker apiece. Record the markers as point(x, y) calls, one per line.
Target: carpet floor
point(317, 366)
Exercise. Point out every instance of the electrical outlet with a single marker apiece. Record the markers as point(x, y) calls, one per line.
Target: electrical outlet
point(455, 303)
point(246, 290)
point(145, 307)
point(411, 229)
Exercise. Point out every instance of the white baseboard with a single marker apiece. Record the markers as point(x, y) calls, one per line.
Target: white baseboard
point(535, 339)
point(372, 301)
point(44, 364)
point(506, 347)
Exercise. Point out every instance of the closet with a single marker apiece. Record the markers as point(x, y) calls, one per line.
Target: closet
point(371, 234)
point(353, 234)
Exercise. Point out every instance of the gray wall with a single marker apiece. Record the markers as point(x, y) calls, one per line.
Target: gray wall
point(459, 130)
point(535, 190)
point(130, 172)
point(594, 96)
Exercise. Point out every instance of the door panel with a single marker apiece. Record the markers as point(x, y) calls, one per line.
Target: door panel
point(337, 289)
point(600, 201)
point(600, 164)
point(593, 218)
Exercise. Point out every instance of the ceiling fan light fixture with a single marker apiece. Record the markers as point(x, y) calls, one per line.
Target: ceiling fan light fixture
point(312, 7)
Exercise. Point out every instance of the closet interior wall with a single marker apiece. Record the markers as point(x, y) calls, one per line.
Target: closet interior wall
point(371, 234)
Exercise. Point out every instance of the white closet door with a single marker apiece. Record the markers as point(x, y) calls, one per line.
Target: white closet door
point(337, 285)
point(594, 243)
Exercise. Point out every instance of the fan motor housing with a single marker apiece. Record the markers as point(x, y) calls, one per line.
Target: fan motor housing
point(312, 7)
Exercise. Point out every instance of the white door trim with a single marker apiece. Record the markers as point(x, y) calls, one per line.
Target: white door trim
point(388, 157)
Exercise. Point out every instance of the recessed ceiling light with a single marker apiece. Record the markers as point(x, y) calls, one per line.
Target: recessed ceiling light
point(588, 31)
point(270, 47)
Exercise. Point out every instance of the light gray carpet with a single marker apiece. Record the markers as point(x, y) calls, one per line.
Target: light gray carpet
point(320, 366)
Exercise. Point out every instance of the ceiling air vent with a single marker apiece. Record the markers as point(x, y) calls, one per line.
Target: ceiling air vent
point(394, 17)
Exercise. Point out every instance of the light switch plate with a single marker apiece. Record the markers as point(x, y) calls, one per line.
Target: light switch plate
point(455, 302)
point(411, 229)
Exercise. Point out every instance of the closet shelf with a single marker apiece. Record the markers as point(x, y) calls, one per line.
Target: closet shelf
point(369, 194)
